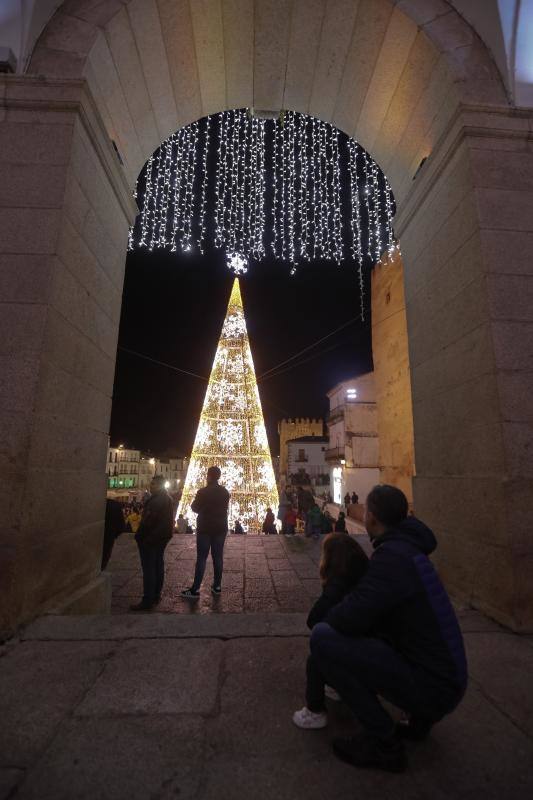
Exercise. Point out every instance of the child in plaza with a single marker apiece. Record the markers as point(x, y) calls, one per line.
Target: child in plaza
point(342, 565)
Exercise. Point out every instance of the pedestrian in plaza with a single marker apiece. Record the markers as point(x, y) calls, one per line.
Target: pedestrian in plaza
point(342, 565)
point(395, 636)
point(238, 529)
point(355, 498)
point(326, 522)
point(211, 504)
point(114, 525)
point(284, 504)
point(290, 522)
point(340, 523)
point(314, 522)
point(153, 535)
point(181, 524)
point(134, 519)
point(269, 523)
point(347, 500)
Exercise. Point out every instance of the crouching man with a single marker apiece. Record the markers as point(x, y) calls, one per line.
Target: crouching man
point(396, 635)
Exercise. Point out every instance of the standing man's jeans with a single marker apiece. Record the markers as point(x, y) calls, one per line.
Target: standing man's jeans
point(153, 566)
point(360, 668)
point(204, 543)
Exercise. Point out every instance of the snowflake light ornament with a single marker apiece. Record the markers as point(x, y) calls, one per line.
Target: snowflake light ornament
point(234, 326)
point(232, 475)
point(229, 434)
point(237, 263)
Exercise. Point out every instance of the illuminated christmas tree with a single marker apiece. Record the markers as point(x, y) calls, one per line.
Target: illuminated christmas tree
point(231, 433)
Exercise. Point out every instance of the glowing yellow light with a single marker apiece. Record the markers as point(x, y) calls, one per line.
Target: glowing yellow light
point(231, 433)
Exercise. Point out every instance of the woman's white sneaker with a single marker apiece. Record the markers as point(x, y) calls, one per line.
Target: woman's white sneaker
point(332, 694)
point(310, 720)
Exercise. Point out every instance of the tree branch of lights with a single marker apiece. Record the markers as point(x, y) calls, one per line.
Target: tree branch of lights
point(231, 433)
point(280, 185)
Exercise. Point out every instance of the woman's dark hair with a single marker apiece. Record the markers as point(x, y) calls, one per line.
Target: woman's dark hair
point(388, 504)
point(342, 558)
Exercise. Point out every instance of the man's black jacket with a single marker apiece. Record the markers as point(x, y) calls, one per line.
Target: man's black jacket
point(157, 522)
point(211, 504)
point(402, 600)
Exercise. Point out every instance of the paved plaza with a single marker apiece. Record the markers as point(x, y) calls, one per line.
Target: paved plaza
point(261, 574)
point(198, 706)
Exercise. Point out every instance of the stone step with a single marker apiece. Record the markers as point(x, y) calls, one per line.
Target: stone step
point(164, 626)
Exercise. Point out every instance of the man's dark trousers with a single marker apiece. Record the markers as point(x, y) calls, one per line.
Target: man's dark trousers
point(153, 567)
point(204, 543)
point(360, 668)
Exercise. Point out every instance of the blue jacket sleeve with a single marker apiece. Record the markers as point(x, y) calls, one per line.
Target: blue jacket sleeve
point(387, 583)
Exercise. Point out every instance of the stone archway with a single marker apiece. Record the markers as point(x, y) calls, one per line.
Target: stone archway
point(410, 80)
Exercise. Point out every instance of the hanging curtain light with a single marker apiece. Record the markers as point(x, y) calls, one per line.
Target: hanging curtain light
point(292, 186)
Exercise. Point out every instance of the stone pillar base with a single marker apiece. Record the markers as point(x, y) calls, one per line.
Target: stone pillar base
point(92, 598)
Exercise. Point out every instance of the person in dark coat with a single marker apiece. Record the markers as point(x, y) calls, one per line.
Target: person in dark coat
point(340, 523)
point(395, 635)
point(269, 523)
point(114, 525)
point(238, 527)
point(211, 504)
point(347, 500)
point(153, 535)
point(355, 498)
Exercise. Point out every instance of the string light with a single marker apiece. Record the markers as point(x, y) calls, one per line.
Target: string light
point(315, 184)
point(231, 432)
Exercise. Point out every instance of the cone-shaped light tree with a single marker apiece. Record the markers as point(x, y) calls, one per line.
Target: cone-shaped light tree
point(231, 433)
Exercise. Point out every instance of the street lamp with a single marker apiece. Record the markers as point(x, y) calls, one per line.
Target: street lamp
point(167, 484)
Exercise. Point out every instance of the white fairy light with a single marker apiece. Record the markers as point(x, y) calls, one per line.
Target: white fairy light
point(203, 200)
point(301, 217)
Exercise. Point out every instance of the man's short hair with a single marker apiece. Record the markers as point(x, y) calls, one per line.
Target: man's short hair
point(159, 479)
point(214, 473)
point(388, 504)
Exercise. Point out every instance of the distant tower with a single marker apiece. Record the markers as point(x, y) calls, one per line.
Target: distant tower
point(231, 433)
point(293, 429)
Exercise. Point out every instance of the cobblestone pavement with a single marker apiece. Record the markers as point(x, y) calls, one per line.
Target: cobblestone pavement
point(261, 574)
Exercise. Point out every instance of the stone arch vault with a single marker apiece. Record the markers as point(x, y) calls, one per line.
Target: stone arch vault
point(409, 79)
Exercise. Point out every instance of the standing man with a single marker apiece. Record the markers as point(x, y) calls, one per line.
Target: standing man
point(211, 504)
point(155, 532)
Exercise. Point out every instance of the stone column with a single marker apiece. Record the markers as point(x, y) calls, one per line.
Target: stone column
point(466, 235)
point(65, 210)
point(390, 354)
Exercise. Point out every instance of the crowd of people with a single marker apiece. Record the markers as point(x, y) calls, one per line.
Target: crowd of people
point(383, 627)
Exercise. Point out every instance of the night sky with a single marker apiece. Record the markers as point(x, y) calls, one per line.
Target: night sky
point(173, 309)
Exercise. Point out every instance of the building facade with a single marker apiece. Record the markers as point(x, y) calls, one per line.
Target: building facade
point(307, 465)
point(123, 468)
point(290, 429)
point(353, 449)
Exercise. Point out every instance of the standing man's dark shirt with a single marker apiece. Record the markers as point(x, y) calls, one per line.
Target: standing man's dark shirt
point(211, 504)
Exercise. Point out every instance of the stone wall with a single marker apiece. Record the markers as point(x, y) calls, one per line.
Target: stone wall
point(466, 237)
point(392, 375)
point(63, 233)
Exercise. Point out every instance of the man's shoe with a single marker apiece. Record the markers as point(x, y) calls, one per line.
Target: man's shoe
point(191, 594)
point(142, 606)
point(216, 589)
point(310, 720)
point(367, 752)
point(413, 729)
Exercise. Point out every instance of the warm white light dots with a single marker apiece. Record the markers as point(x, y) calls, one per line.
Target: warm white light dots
point(231, 433)
point(286, 185)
